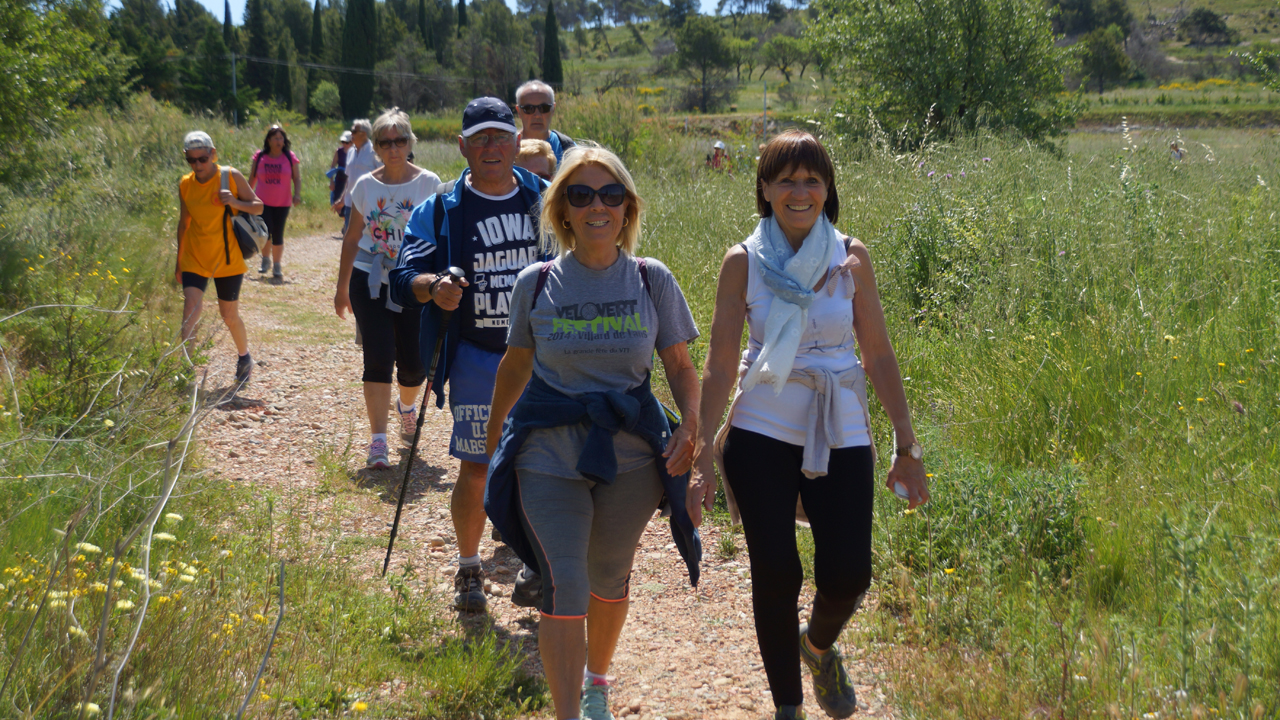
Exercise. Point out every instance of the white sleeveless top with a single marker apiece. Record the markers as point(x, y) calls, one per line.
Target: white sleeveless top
point(827, 344)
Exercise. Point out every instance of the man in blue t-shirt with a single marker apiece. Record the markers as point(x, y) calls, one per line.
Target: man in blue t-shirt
point(485, 223)
point(536, 103)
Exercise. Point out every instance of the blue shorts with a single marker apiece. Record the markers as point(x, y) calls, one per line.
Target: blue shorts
point(470, 397)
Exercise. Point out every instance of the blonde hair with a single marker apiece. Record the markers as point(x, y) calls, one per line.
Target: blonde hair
point(555, 206)
point(530, 148)
point(393, 119)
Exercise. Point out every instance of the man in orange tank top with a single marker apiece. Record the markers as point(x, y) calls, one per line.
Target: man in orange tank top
point(207, 247)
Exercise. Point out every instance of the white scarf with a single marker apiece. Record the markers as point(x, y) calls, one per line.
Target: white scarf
point(786, 321)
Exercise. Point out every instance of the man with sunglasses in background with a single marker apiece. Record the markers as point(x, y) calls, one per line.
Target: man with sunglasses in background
point(536, 103)
point(485, 222)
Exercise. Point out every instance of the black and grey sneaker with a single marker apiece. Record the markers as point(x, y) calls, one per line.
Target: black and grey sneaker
point(265, 267)
point(277, 273)
point(244, 368)
point(468, 586)
point(527, 591)
point(831, 683)
point(788, 712)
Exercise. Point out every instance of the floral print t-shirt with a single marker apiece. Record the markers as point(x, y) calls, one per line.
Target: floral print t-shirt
point(385, 210)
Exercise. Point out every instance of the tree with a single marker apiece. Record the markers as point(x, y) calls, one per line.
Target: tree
point(552, 70)
point(442, 32)
point(741, 52)
point(784, 53)
point(325, 101)
point(141, 28)
point(228, 30)
point(206, 81)
point(1079, 17)
point(258, 75)
point(359, 36)
point(677, 12)
point(1103, 59)
point(1206, 27)
point(424, 29)
point(317, 35)
point(282, 85)
point(47, 58)
point(947, 65)
point(702, 53)
point(462, 16)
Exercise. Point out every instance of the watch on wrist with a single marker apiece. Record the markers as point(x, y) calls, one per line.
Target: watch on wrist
point(913, 451)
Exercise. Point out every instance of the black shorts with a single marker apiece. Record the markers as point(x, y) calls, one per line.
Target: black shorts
point(228, 287)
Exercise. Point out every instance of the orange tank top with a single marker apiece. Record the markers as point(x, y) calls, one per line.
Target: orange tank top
point(205, 250)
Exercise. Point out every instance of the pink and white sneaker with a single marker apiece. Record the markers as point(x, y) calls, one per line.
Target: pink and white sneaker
point(378, 459)
point(408, 422)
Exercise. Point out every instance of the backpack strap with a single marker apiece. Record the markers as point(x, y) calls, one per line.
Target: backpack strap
point(566, 142)
point(543, 272)
point(644, 275)
point(226, 212)
point(437, 218)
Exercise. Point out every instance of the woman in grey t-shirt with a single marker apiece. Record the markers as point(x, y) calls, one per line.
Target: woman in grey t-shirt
point(585, 328)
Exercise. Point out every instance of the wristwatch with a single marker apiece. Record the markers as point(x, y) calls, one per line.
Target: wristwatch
point(913, 451)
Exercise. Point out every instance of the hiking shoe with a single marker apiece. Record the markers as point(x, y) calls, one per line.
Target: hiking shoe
point(788, 712)
point(831, 683)
point(408, 422)
point(244, 368)
point(595, 700)
point(265, 266)
point(378, 455)
point(527, 591)
point(468, 585)
point(277, 273)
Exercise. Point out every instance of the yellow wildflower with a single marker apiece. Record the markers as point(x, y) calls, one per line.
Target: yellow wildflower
point(359, 706)
point(88, 548)
point(108, 423)
point(124, 604)
point(949, 571)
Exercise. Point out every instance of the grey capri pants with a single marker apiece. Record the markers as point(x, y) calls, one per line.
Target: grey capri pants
point(585, 534)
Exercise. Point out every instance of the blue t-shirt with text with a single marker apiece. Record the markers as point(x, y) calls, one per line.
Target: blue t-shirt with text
point(499, 239)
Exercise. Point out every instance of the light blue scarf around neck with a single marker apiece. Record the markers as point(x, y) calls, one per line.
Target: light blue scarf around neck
point(774, 250)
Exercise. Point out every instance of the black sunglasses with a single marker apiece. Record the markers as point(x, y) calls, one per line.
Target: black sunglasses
point(197, 160)
point(581, 196)
point(544, 108)
point(398, 142)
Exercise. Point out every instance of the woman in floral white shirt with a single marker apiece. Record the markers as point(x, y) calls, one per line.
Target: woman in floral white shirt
point(381, 203)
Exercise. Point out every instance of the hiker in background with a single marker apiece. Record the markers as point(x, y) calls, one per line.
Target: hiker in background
point(361, 159)
point(536, 103)
point(338, 168)
point(483, 222)
point(589, 453)
point(381, 204)
point(275, 177)
point(207, 247)
point(537, 157)
point(717, 160)
point(1176, 152)
point(799, 425)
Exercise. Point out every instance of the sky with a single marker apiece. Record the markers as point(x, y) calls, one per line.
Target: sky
point(237, 8)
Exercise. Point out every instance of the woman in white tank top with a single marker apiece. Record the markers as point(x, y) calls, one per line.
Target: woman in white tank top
point(798, 428)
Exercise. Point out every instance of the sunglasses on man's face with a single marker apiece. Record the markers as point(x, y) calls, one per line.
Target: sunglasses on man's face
point(199, 160)
point(544, 108)
point(581, 196)
point(388, 142)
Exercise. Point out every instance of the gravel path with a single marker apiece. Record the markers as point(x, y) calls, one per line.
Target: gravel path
point(299, 430)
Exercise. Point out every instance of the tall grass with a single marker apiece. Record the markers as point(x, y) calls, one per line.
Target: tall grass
point(1089, 346)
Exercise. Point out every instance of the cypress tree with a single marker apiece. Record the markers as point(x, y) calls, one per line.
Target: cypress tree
point(317, 34)
point(441, 29)
point(462, 16)
point(552, 70)
point(226, 23)
point(359, 37)
point(258, 75)
point(423, 30)
point(283, 87)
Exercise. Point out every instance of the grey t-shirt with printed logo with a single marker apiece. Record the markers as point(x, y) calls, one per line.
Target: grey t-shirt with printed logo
point(594, 331)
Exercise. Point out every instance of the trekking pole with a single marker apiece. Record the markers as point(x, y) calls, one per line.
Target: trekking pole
point(456, 274)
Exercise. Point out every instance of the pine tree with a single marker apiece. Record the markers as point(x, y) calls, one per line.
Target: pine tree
point(442, 30)
point(462, 16)
point(552, 70)
point(259, 74)
point(359, 35)
point(283, 87)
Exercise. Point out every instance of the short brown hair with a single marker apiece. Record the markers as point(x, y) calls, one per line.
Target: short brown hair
point(796, 149)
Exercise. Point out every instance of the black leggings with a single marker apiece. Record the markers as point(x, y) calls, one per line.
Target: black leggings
point(390, 339)
point(275, 217)
point(228, 287)
point(765, 476)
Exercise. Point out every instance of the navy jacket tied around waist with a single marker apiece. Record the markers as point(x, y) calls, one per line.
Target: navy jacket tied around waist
point(636, 411)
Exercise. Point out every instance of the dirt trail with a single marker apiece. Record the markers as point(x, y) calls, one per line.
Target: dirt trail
point(682, 655)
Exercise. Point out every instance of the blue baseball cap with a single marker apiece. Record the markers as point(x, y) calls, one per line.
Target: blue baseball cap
point(487, 112)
